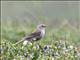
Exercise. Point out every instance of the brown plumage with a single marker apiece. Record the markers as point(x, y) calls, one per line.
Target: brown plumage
point(33, 35)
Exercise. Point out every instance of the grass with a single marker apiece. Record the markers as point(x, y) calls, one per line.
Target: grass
point(58, 44)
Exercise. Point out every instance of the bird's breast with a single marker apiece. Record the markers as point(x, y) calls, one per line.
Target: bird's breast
point(42, 33)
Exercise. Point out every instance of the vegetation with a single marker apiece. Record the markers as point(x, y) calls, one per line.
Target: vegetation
point(58, 44)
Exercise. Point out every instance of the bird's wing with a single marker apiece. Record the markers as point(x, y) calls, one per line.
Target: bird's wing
point(33, 35)
point(36, 33)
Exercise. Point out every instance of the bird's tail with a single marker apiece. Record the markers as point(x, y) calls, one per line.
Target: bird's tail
point(23, 39)
point(19, 41)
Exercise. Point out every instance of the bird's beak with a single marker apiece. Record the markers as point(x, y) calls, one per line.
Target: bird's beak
point(45, 25)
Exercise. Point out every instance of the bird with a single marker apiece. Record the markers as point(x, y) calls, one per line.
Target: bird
point(38, 34)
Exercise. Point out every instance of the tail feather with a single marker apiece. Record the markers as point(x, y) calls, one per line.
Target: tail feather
point(25, 38)
point(19, 42)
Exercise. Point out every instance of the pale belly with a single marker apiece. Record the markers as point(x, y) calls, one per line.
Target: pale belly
point(42, 33)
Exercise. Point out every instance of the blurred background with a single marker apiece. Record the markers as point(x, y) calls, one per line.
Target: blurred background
point(41, 12)
point(19, 18)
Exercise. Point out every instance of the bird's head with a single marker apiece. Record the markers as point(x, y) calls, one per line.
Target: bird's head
point(41, 26)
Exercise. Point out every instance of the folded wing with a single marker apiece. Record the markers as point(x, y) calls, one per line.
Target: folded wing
point(34, 36)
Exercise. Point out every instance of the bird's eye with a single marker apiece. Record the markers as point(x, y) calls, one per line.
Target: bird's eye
point(43, 26)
